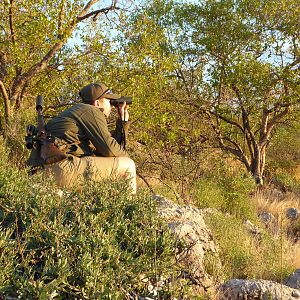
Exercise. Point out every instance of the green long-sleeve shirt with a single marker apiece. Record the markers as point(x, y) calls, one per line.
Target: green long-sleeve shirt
point(84, 128)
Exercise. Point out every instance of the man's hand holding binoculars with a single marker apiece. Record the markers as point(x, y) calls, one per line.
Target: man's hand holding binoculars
point(123, 111)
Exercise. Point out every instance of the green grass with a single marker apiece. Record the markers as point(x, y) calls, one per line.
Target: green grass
point(244, 256)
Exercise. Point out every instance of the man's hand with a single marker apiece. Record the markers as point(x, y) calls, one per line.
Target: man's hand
point(123, 111)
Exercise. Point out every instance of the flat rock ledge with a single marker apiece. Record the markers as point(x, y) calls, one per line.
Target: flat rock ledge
point(238, 289)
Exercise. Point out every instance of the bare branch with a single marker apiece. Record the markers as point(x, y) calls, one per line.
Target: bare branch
point(11, 23)
point(228, 121)
point(246, 123)
point(277, 117)
point(96, 13)
point(237, 152)
point(6, 101)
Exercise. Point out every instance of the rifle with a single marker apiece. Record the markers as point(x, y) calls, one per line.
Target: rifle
point(40, 139)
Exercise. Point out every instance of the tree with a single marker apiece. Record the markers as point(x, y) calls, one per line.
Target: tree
point(34, 40)
point(239, 64)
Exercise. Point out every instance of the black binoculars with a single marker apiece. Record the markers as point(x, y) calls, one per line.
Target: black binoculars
point(117, 102)
point(31, 136)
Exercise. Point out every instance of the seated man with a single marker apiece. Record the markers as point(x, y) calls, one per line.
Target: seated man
point(92, 151)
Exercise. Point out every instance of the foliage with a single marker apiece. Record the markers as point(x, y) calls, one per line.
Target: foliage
point(225, 190)
point(284, 149)
point(234, 66)
point(43, 49)
point(98, 243)
point(243, 256)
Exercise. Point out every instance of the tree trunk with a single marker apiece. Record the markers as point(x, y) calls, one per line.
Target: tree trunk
point(258, 165)
point(7, 108)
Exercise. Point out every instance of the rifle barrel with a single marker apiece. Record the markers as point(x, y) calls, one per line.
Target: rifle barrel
point(39, 102)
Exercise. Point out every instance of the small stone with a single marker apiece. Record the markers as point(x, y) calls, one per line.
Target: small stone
point(292, 213)
point(266, 217)
point(252, 228)
point(295, 294)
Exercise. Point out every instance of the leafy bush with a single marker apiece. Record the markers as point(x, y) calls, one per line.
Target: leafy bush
point(15, 135)
point(100, 243)
point(286, 181)
point(226, 192)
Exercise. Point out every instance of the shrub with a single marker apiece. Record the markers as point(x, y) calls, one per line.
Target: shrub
point(100, 243)
point(226, 192)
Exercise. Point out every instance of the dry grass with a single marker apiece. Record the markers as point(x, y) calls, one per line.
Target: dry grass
point(277, 204)
point(294, 254)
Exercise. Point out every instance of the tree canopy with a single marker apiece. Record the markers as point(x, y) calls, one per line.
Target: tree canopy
point(225, 71)
point(238, 64)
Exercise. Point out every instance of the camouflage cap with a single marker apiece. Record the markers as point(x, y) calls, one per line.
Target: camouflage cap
point(96, 91)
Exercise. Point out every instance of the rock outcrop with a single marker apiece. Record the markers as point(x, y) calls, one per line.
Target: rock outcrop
point(237, 289)
point(187, 223)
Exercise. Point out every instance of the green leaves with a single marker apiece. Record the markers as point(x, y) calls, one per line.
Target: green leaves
point(94, 244)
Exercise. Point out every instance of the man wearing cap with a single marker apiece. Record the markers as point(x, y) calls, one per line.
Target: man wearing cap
point(92, 151)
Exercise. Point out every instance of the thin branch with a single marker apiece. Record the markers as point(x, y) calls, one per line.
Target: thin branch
point(228, 121)
point(246, 122)
point(146, 182)
point(240, 156)
point(276, 118)
point(60, 19)
point(293, 64)
point(6, 101)
point(96, 13)
point(11, 23)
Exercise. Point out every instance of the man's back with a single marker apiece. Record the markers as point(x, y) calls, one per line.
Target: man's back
point(92, 152)
point(84, 127)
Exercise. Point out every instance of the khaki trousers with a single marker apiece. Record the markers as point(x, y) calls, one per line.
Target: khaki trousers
point(72, 170)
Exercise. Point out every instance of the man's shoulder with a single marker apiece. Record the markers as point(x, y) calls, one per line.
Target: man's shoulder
point(80, 112)
point(79, 109)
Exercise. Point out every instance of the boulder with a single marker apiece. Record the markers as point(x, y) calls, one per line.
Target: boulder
point(237, 289)
point(293, 281)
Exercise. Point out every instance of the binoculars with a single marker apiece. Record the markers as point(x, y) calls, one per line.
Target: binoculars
point(31, 136)
point(117, 102)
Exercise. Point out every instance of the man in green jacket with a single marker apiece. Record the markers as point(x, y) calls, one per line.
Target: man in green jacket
point(92, 151)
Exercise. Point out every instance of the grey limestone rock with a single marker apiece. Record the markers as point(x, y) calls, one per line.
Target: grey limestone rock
point(292, 213)
point(293, 281)
point(187, 223)
point(237, 289)
point(252, 229)
point(266, 217)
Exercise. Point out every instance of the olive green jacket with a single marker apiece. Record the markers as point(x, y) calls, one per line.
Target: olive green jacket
point(83, 128)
